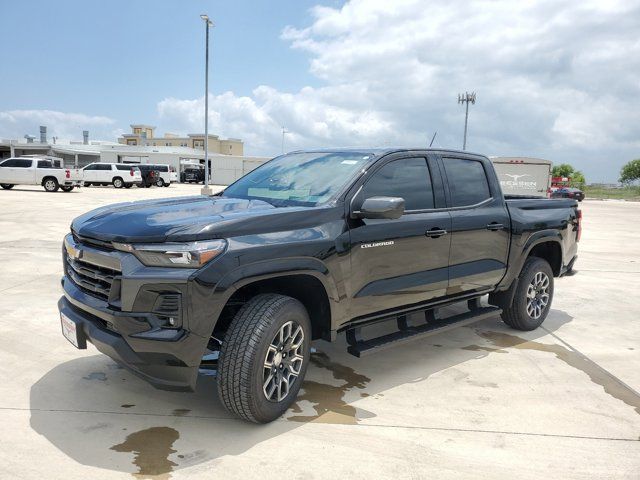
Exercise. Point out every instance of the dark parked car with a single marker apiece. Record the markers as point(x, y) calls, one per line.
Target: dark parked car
point(150, 175)
point(306, 246)
point(192, 175)
point(567, 192)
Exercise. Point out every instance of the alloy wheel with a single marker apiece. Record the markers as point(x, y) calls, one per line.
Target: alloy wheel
point(538, 295)
point(283, 362)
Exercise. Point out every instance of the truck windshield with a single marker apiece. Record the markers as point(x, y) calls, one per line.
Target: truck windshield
point(303, 179)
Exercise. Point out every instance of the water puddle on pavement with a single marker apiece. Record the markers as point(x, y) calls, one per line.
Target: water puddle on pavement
point(328, 400)
point(151, 448)
point(598, 375)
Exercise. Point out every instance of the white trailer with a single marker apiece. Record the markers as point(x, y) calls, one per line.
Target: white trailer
point(523, 175)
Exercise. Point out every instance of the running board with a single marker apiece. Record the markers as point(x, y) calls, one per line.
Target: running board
point(360, 347)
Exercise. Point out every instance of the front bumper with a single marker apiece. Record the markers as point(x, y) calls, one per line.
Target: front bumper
point(125, 325)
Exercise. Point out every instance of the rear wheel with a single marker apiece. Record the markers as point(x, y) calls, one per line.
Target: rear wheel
point(50, 184)
point(533, 296)
point(264, 357)
point(6, 186)
point(118, 183)
point(160, 182)
point(66, 188)
point(128, 185)
point(87, 184)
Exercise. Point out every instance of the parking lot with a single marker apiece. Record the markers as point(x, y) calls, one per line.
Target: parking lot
point(478, 402)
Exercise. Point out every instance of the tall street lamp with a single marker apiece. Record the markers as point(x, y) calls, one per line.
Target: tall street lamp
point(206, 190)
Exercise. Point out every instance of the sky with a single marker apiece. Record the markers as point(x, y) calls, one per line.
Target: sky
point(556, 79)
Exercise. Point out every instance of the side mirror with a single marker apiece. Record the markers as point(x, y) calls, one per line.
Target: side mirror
point(382, 207)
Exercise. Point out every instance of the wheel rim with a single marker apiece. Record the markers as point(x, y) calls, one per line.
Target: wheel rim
point(49, 185)
point(283, 362)
point(538, 295)
point(118, 183)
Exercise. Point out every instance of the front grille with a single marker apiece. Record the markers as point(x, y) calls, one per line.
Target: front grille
point(100, 244)
point(92, 279)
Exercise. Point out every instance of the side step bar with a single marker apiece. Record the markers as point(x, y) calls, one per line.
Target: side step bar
point(360, 347)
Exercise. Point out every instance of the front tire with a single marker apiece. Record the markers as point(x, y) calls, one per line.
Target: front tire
point(533, 296)
point(6, 186)
point(51, 185)
point(264, 357)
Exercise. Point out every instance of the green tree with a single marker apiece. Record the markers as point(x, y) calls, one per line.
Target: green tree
point(630, 172)
point(566, 170)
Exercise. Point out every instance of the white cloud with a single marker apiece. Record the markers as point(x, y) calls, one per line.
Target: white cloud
point(554, 78)
point(64, 126)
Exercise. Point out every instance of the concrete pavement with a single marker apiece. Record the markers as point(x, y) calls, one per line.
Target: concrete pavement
point(478, 402)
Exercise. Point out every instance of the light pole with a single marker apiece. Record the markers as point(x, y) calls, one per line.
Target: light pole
point(466, 98)
point(284, 132)
point(206, 190)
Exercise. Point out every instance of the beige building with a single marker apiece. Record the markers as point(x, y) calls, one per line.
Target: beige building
point(144, 136)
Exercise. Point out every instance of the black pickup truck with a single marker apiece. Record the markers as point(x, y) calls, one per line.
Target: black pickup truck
point(310, 244)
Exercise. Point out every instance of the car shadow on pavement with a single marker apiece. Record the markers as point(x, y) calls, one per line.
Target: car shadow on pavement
point(101, 415)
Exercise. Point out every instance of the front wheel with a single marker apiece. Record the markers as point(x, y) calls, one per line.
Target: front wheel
point(51, 185)
point(264, 357)
point(6, 186)
point(533, 296)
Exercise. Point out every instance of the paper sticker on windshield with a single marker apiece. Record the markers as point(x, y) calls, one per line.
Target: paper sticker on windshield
point(349, 162)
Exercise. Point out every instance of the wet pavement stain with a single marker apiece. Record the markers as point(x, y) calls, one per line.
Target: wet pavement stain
point(328, 400)
point(101, 376)
point(181, 412)
point(573, 358)
point(151, 448)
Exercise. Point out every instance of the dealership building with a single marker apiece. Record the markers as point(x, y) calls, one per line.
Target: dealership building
point(141, 146)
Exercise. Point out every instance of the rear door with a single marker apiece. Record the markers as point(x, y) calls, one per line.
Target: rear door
point(402, 261)
point(480, 224)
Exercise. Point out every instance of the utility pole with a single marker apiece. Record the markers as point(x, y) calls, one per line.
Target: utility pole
point(466, 98)
point(284, 132)
point(206, 190)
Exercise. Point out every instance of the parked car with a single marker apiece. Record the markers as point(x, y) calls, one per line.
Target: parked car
point(149, 175)
point(38, 171)
point(308, 245)
point(193, 175)
point(120, 175)
point(163, 178)
point(568, 192)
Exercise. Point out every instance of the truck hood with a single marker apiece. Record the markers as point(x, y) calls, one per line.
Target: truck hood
point(180, 219)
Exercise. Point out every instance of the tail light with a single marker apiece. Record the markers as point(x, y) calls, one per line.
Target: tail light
point(579, 218)
point(67, 173)
point(131, 172)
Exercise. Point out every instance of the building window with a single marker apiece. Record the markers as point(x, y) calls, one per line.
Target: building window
point(132, 142)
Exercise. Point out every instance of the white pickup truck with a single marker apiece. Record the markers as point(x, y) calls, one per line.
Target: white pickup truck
point(38, 171)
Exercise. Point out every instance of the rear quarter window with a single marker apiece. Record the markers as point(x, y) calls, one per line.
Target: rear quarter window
point(467, 181)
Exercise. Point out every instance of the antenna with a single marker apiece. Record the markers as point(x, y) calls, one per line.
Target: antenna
point(466, 99)
point(433, 138)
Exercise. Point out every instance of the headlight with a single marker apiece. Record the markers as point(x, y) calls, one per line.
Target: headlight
point(181, 255)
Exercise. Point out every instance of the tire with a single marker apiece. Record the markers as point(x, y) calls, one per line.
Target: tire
point(87, 184)
point(166, 184)
point(247, 346)
point(67, 188)
point(50, 184)
point(118, 182)
point(160, 182)
point(128, 185)
point(6, 186)
point(526, 313)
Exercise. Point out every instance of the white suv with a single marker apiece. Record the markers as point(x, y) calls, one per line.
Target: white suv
point(117, 174)
point(164, 175)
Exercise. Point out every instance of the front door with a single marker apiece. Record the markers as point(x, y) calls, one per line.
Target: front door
point(480, 227)
point(23, 173)
point(405, 260)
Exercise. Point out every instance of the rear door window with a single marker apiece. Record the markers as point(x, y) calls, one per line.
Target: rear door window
point(44, 164)
point(467, 181)
point(407, 178)
point(104, 167)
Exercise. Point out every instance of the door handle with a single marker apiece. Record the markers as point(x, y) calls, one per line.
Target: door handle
point(495, 226)
point(435, 232)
